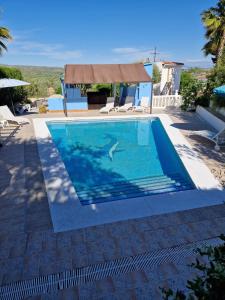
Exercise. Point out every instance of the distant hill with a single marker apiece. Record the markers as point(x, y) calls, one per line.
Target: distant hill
point(41, 79)
point(198, 73)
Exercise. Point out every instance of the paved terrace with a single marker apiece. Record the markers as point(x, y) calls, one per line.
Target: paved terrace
point(29, 248)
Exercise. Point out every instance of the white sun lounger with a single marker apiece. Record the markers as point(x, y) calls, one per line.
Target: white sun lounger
point(217, 137)
point(125, 107)
point(128, 104)
point(3, 121)
point(109, 105)
point(144, 104)
point(8, 116)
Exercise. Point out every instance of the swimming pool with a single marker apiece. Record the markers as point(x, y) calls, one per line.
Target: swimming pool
point(119, 159)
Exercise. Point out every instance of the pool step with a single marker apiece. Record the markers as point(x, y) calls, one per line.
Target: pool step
point(133, 188)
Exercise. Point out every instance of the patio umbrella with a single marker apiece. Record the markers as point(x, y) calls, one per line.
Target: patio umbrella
point(8, 83)
point(219, 90)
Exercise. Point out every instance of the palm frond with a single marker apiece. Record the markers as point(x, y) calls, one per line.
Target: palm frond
point(4, 33)
point(214, 22)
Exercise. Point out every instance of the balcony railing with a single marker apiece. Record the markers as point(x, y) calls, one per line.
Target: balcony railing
point(166, 100)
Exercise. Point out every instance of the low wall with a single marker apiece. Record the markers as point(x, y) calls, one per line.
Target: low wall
point(215, 122)
point(221, 110)
point(164, 101)
point(56, 104)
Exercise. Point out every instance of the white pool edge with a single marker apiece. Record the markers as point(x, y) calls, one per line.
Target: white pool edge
point(67, 212)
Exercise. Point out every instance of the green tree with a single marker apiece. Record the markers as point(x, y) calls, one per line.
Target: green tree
point(156, 76)
point(192, 91)
point(18, 94)
point(4, 36)
point(103, 87)
point(59, 90)
point(33, 89)
point(186, 78)
point(216, 78)
point(214, 22)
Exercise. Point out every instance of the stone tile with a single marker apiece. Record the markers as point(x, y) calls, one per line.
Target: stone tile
point(66, 294)
point(123, 281)
point(34, 243)
point(107, 248)
point(95, 253)
point(138, 244)
point(219, 225)
point(123, 246)
point(5, 248)
point(88, 291)
point(49, 241)
point(166, 239)
point(95, 233)
point(105, 286)
point(142, 224)
point(64, 263)
point(63, 239)
point(152, 241)
point(77, 236)
point(18, 245)
point(12, 270)
point(182, 234)
point(31, 266)
point(121, 229)
point(79, 255)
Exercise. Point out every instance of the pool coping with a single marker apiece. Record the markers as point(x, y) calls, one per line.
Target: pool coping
point(67, 213)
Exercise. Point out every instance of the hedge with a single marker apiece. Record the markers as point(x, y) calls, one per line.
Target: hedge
point(18, 94)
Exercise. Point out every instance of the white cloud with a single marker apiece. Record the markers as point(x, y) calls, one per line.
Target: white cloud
point(32, 48)
point(125, 50)
point(197, 60)
point(137, 54)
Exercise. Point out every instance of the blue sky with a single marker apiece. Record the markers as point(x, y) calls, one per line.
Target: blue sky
point(53, 32)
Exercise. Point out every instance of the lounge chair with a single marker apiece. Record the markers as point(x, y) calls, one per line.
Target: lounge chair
point(128, 104)
point(109, 105)
point(144, 104)
point(217, 137)
point(8, 116)
point(3, 122)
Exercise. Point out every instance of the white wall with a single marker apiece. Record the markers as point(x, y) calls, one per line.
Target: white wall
point(210, 118)
point(171, 74)
point(177, 74)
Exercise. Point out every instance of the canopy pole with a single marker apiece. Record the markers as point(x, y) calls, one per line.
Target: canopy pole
point(64, 93)
point(151, 98)
point(65, 107)
point(12, 102)
point(114, 90)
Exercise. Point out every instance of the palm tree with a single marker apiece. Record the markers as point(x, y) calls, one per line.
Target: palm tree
point(4, 36)
point(214, 22)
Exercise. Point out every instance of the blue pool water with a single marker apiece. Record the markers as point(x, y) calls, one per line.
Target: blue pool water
point(113, 160)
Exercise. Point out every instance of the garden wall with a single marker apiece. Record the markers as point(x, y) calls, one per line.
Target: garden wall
point(210, 118)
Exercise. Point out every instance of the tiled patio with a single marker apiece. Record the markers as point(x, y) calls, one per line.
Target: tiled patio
point(29, 248)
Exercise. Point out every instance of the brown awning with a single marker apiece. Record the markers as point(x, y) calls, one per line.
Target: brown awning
point(106, 73)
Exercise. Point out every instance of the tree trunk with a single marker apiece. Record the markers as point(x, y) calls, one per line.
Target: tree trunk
point(221, 48)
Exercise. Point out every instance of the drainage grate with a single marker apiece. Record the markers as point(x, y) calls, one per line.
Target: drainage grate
point(53, 283)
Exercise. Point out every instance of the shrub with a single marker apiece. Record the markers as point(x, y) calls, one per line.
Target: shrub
point(156, 76)
point(217, 101)
point(185, 79)
point(203, 100)
point(104, 88)
point(191, 91)
point(216, 77)
point(17, 94)
point(59, 90)
point(210, 285)
point(42, 109)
